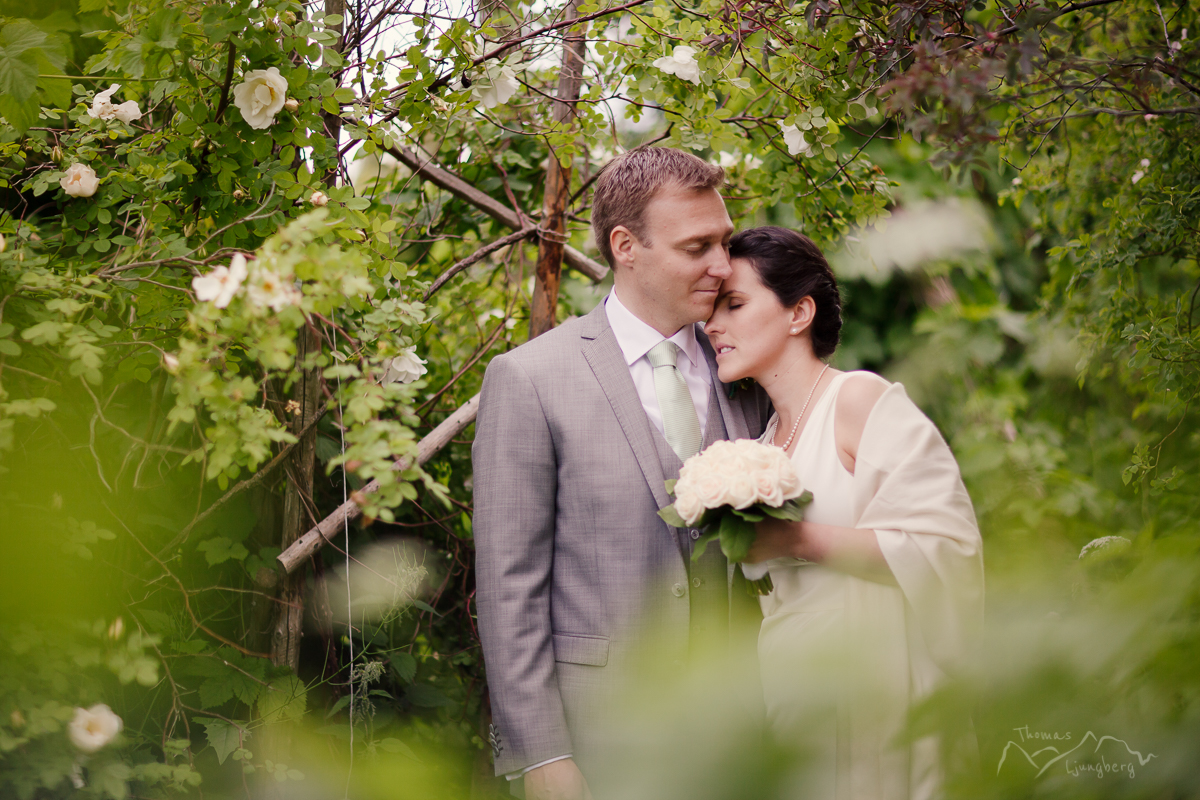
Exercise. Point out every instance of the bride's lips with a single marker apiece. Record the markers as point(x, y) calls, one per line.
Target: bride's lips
point(722, 349)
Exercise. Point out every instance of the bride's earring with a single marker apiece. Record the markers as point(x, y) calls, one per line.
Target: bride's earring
point(795, 331)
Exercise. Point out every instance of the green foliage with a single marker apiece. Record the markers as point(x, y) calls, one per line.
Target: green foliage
point(139, 422)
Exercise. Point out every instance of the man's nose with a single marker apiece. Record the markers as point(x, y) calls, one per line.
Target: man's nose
point(720, 266)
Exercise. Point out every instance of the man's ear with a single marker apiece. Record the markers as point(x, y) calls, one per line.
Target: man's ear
point(623, 243)
point(804, 313)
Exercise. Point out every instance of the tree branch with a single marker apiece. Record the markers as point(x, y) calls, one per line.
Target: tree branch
point(445, 179)
point(427, 448)
point(475, 257)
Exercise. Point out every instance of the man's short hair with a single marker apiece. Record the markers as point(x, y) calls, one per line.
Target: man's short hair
point(626, 185)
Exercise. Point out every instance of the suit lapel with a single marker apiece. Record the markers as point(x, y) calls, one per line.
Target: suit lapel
point(604, 356)
point(735, 419)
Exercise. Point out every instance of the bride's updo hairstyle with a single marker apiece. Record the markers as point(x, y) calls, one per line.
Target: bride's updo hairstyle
point(792, 266)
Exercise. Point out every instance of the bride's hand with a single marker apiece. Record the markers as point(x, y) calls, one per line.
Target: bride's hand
point(776, 538)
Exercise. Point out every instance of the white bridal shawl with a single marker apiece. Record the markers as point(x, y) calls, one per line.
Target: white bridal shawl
point(908, 489)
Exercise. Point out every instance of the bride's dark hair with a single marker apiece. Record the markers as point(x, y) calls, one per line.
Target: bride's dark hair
point(792, 266)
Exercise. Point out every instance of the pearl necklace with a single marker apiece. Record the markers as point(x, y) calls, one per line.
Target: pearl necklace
point(796, 427)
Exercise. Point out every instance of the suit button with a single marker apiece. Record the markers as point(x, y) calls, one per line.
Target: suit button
point(696, 582)
point(695, 534)
point(678, 590)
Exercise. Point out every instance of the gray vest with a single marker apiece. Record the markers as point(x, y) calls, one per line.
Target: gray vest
point(708, 576)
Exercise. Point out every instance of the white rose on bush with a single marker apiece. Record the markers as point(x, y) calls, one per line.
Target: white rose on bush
point(405, 368)
point(93, 728)
point(268, 288)
point(497, 84)
point(80, 181)
point(681, 62)
point(261, 96)
point(797, 145)
point(222, 283)
point(104, 108)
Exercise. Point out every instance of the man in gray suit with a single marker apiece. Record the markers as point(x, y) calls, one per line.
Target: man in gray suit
point(577, 432)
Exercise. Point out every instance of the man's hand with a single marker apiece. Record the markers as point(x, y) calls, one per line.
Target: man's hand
point(558, 780)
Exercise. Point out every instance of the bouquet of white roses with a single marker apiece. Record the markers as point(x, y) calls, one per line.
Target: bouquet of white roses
point(730, 486)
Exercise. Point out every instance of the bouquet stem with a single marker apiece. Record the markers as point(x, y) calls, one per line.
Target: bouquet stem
point(761, 587)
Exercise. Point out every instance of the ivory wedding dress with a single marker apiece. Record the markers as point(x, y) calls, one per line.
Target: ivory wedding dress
point(843, 658)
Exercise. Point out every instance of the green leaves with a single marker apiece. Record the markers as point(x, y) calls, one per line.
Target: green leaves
point(219, 549)
point(28, 56)
point(284, 699)
point(224, 737)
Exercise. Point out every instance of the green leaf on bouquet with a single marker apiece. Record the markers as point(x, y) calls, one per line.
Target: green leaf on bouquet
point(749, 514)
point(791, 510)
point(702, 545)
point(671, 517)
point(671, 486)
point(737, 536)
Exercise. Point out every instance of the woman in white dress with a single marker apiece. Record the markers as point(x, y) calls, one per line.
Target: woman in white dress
point(878, 592)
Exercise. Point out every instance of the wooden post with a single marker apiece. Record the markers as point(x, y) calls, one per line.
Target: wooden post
point(558, 186)
point(297, 502)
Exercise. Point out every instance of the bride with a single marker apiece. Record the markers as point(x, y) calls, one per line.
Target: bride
point(878, 592)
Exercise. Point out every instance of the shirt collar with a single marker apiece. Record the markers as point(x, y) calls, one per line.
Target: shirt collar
point(636, 338)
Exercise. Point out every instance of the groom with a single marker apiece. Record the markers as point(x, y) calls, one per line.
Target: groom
point(576, 434)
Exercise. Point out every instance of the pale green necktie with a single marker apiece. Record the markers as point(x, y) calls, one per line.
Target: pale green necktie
point(681, 426)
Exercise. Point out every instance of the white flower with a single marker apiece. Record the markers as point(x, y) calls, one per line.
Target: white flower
point(1137, 176)
point(497, 84)
point(80, 181)
point(260, 96)
point(170, 362)
point(128, 111)
point(405, 368)
point(292, 104)
point(741, 490)
point(1109, 545)
point(268, 288)
point(1145, 162)
point(1017, 181)
point(93, 728)
point(681, 62)
point(797, 145)
point(688, 505)
point(319, 198)
point(104, 108)
point(222, 283)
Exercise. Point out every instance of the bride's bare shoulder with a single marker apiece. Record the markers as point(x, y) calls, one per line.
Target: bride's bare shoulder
point(858, 395)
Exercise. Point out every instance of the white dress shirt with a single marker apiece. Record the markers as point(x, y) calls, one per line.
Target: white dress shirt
point(636, 338)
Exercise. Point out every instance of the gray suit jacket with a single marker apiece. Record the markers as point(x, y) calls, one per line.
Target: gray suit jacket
point(572, 560)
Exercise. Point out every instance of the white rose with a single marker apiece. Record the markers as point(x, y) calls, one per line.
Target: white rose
point(269, 288)
point(292, 104)
point(797, 145)
point(80, 181)
point(104, 108)
point(497, 84)
point(222, 283)
point(319, 198)
point(741, 491)
point(709, 488)
point(128, 111)
point(789, 480)
point(93, 728)
point(688, 505)
point(405, 368)
point(681, 62)
point(102, 104)
point(260, 96)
